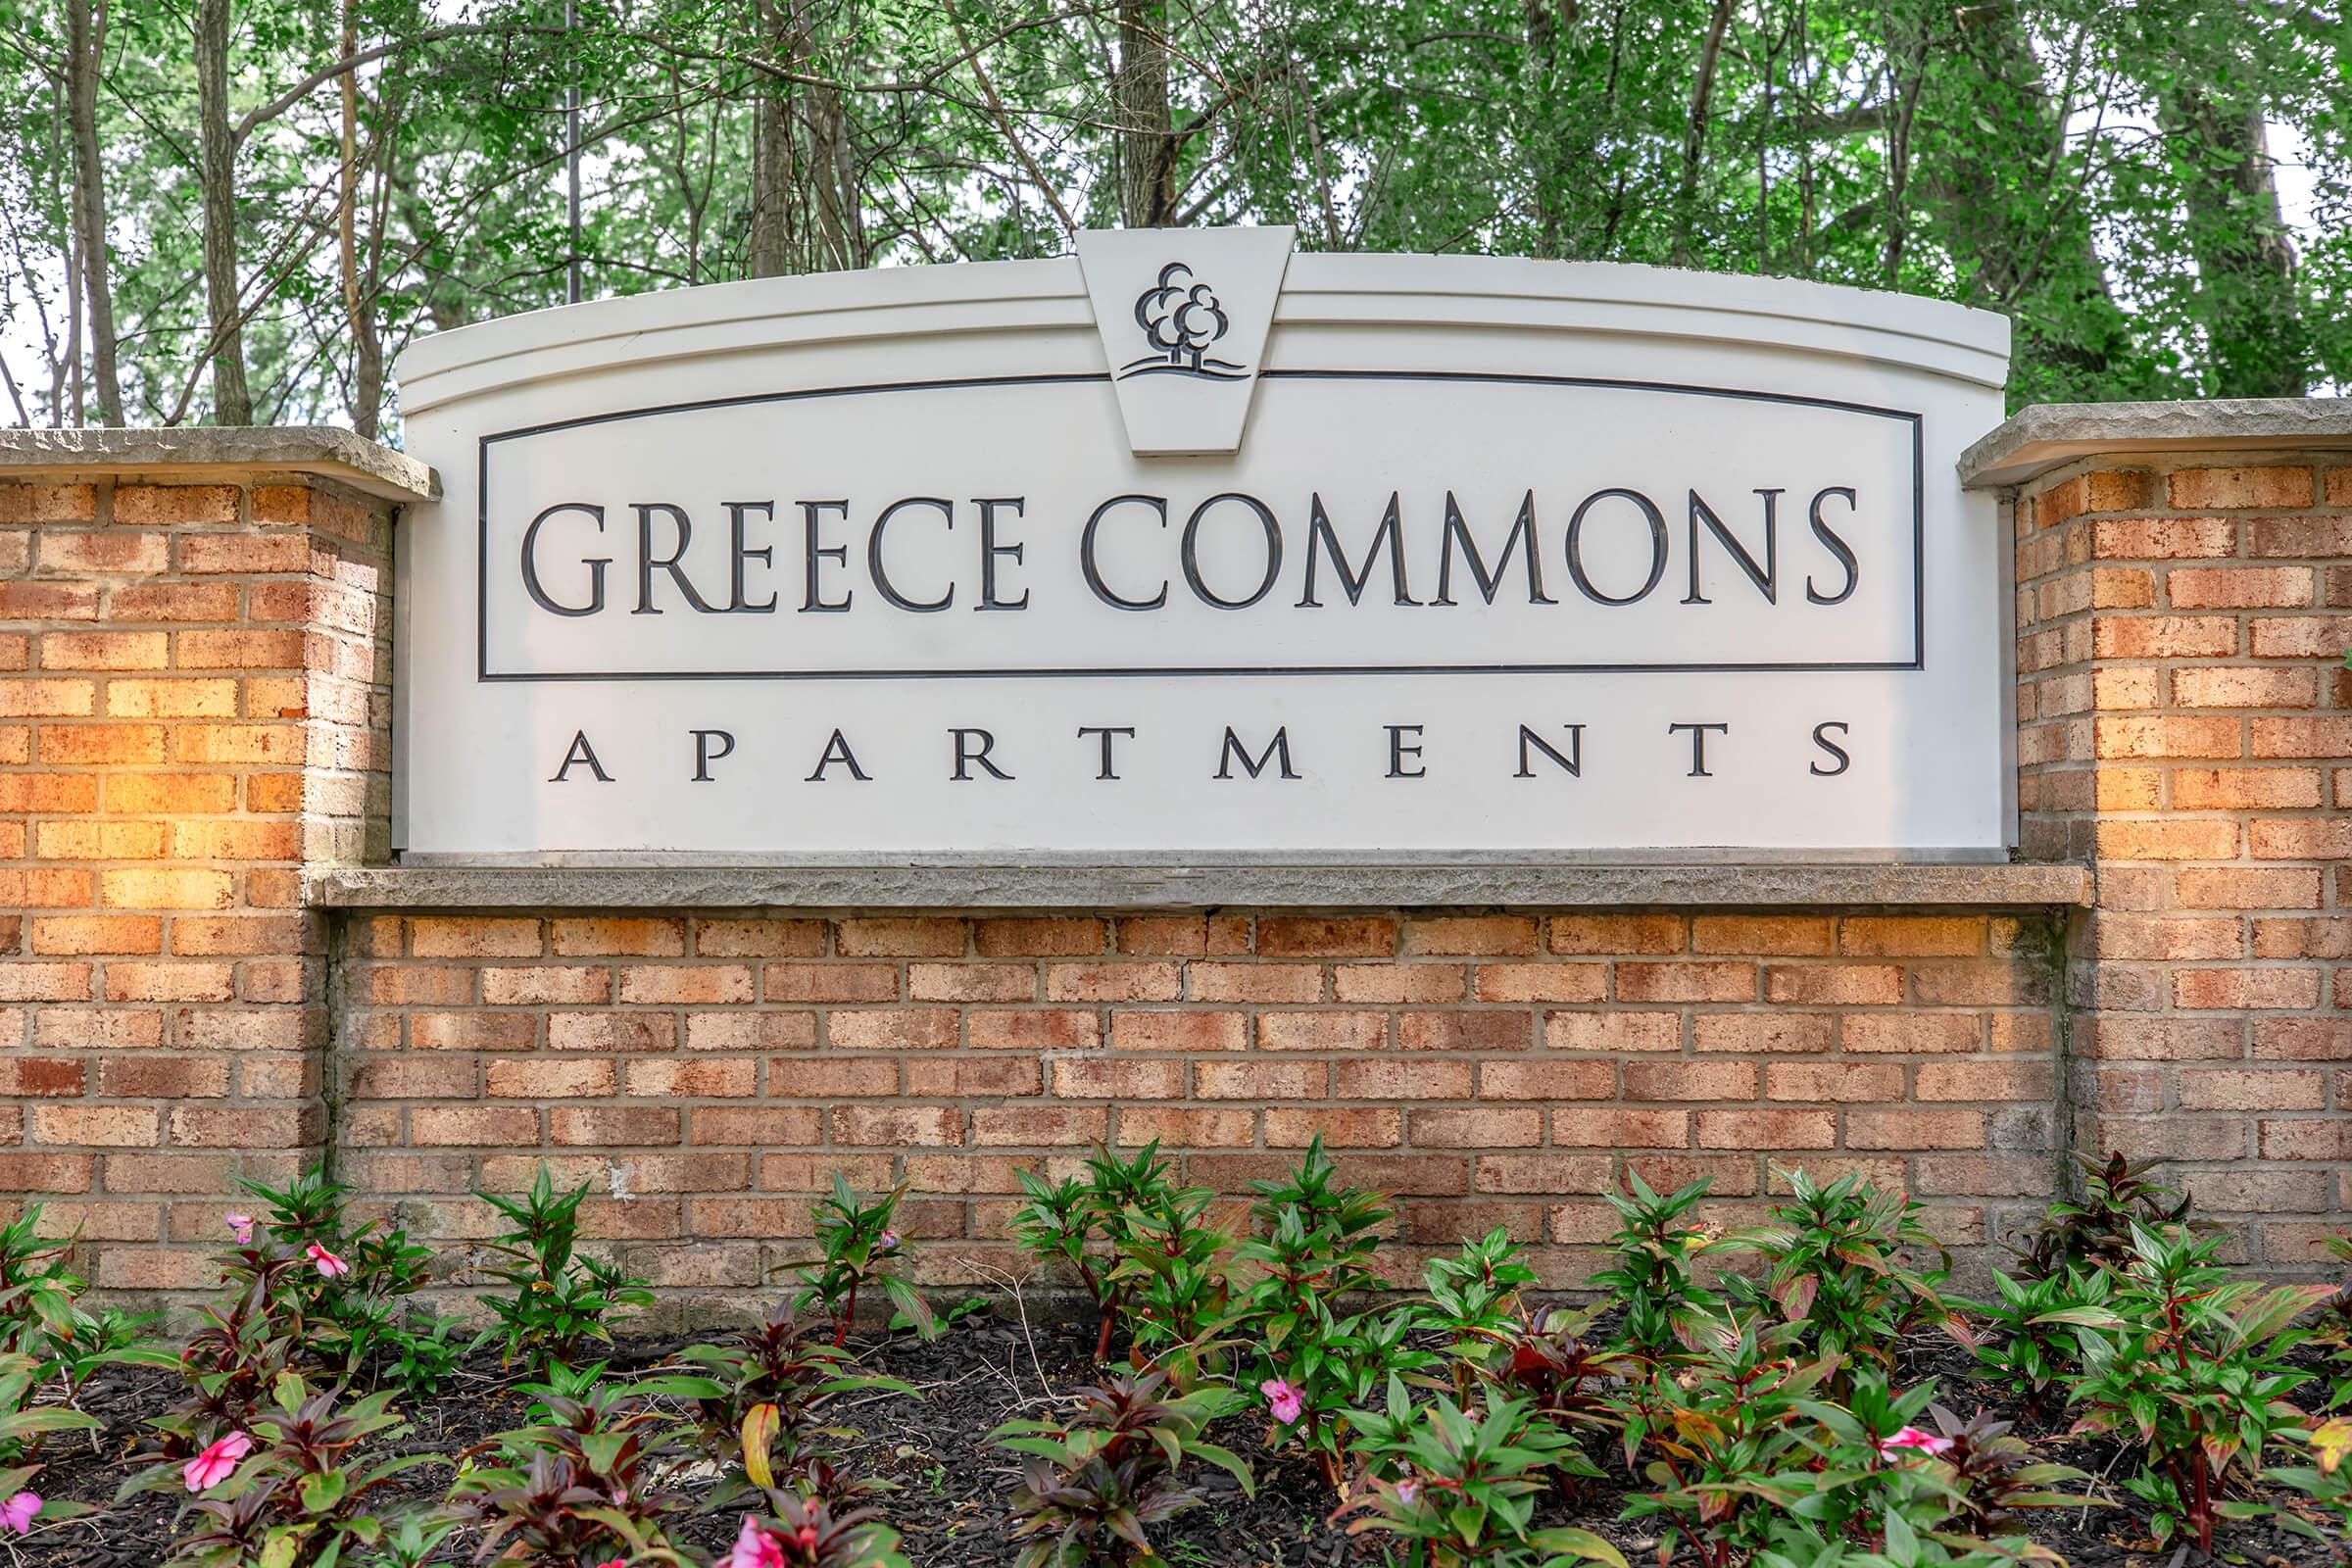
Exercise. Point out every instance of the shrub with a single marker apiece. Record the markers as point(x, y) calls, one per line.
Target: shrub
point(804, 1533)
point(1834, 1267)
point(1665, 1307)
point(23, 1426)
point(1096, 1481)
point(1084, 1225)
point(857, 1251)
point(2195, 1364)
point(1172, 1267)
point(1459, 1486)
point(557, 1301)
point(41, 1319)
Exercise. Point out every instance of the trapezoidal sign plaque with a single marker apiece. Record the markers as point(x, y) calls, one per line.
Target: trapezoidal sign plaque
point(1188, 547)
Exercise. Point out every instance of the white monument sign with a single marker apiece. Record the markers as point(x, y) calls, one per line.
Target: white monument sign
point(1189, 546)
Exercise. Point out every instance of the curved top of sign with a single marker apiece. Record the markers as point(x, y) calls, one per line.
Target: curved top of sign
point(1216, 307)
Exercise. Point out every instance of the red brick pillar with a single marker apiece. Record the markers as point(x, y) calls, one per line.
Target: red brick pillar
point(194, 693)
point(2185, 727)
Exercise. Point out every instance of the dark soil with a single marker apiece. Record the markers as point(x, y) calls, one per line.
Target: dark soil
point(950, 1504)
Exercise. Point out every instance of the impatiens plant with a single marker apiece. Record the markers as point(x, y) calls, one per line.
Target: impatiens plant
point(774, 1384)
point(1474, 1301)
point(2095, 1232)
point(858, 1252)
point(558, 1299)
point(1313, 1246)
point(1172, 1268)
point(801, 1533)
point(1715, 1432)
point(293, 1493)
point(582, 1480)
point(2036, 1332)
point(2195, 1365)
point(2326, 1481)
point(1083, 1224)
point(1837, 1266)
point(22, 1425)
point(42, 1317)
point(1097, 1478)
point(1458, 1488)
point(1651, 1277)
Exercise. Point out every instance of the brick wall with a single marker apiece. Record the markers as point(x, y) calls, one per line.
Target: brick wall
point(2186, 725)
point(708, 1072)
point(192, 705)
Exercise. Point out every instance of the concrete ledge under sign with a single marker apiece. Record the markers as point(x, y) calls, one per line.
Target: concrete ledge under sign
point(2040, 438)
point(968, 887)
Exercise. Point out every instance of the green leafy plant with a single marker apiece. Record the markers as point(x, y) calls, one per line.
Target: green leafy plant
point(23, 1426)
point(43, 1319)
point(811, 1533)
point(295, 1492)
point(1314, 1246)
point(581, 1481)
point(1085, 1225)
point(2195, 1365)
point(1835, 1266)
point(2095, 1232)
point(1458, 1487)
point(1715, 1432)
point(2038, 1327)
point(774, 1385)
point(1096, 1481)
point(858, 1250)
point(558, 1299)
point(1474, 1301)
point(1651, 1278)
point(1172, 1266)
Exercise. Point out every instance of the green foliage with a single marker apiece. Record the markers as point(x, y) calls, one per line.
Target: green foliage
point(1651, 1277)
point(23, 1426)
point(1835, 1266)
point(1474, 1301)
point(1096, 1481)
point(1460, 1485)
point(2193, 1364)
point(580, 1482)
point(2096, 1233)
point(858, 1250)
point(773, 1385)
point(811, 1532)
point(2038, 1329)
point(41, 1318)
point(1716, 1434)
point(2328, 1482)
point(557, 1301)
point(301, 1497)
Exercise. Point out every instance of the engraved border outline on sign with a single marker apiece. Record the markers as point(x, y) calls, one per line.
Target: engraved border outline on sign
point(1919, 528)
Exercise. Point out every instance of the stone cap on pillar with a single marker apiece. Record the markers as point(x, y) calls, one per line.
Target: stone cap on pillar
point(2035, 440)
point(199, 453)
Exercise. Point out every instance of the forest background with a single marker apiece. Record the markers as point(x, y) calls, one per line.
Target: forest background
point(239, 210)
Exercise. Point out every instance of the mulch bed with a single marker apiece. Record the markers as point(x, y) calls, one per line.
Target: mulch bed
point(949, 1505)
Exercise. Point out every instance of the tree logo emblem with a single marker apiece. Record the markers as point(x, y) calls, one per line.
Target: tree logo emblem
point(1181, 318)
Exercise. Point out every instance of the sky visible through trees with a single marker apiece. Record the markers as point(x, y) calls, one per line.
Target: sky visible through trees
point(239, 210)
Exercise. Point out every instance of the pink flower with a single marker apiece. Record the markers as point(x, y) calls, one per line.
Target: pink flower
point(1407, 1490)
point(16, 1514)
point(1285, 1402)
point(1912, 1437)
point(887, 1242)
point(613, 1562)
point(328, 1262)
point(241, 1227)
point(212, 1466)
point(755, 1547)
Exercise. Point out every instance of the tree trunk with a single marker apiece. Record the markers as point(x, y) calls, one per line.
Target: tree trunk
point(1694, 134)
point(367, 354)
point(232, 404)
point(2246, 299)
point(768, 252)
point(1147, 140)
point(85, 27)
